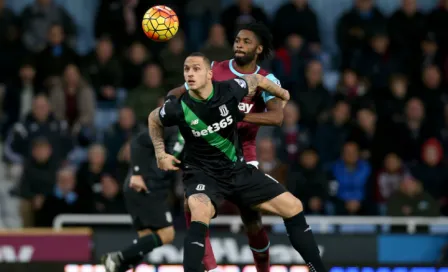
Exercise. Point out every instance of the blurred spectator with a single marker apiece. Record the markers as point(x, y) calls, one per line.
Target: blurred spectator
point(331, 136)
point(118, 19)
point(38, 179)
point(37, 19)
point(408, 136)
point(216, 47)
point(312, 97)
point(308, 182)
point(144, 98)
point(429, 54)
point(298, 18)
point(355, 26)
point(172, 58)
point(73, 100)
point(242, 12)
point(290, 61)
point(104, 71)
point(40, 122)
point(52, 61)
point(136, 58)
point(352, 174)
point(432, 172)
point(406, 28)
point(110, 199)
point(412, 200)
point(292, 138)
point(63, 199)
point(120, 133)
point(433, 95)
point(438, 23)
point(18, 99)
point(392, 106)
point(90, 172)
point(388, 178)
point(9, 41)
point(353, 89)
point(376, 63)
point(443, 134)
point(123, 162)
point(7, 20)
point(269, 163)
point(201, 15)
point(371, 137)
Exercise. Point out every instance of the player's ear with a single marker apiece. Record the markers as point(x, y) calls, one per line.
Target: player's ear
point(259, 49)
point(210, 74)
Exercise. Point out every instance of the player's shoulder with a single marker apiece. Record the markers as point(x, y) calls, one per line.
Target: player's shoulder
point(220, 65)
point(269, 76)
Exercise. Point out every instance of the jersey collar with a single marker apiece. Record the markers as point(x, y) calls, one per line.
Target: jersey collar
point(205, 100)
point(235, 72)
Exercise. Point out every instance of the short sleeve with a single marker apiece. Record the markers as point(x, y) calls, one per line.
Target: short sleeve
point(267, 96)
point(169, 112)
point(238, 87)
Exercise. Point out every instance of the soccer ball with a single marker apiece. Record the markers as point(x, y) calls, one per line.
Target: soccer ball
point(160, 23)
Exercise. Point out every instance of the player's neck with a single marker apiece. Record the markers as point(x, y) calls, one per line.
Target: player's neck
point(249, 68)
point(203, 94)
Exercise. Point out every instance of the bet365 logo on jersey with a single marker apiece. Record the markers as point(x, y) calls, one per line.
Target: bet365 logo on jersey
point(215, 127)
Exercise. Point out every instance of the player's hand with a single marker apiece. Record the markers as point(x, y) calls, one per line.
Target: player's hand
point(167, 162)
point(137, 183)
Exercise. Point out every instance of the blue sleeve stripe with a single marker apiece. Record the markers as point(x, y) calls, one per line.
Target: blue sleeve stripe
point(267, 96)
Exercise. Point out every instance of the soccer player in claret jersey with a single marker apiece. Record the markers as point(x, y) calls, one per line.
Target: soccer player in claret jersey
point(253, 43)
point(214, 166)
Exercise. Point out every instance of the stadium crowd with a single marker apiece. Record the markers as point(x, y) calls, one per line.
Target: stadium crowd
point(370, 140)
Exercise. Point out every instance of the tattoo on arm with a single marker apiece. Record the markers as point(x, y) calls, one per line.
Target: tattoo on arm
point(252, 83)
point(203, 198)
point(157, 134)
point(257, 80)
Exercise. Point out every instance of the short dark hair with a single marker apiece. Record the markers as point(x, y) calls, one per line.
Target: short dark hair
point(264, 37)
point(204, 57)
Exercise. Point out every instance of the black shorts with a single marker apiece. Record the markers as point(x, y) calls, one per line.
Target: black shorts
point(148, 210)
point(248, 188)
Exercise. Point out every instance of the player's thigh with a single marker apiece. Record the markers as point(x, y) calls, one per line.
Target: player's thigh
point(285, 205)
point(202, 195)
point(149, 211)
point(255, 187)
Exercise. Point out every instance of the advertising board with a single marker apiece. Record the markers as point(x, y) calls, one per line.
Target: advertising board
point(41, 245)
point(233, 248)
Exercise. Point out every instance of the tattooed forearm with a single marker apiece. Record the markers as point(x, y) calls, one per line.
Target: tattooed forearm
point(257, 80)
point(156, 134)
point(203, 198)
point(252, 83)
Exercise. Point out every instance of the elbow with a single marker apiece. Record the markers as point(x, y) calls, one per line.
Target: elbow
point(278, 122)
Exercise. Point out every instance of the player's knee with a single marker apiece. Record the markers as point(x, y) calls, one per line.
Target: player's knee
point(201, 208)
point(144, 232)
point(166, 235)
point(252, 222)
point(295, 206)
point(253, 227)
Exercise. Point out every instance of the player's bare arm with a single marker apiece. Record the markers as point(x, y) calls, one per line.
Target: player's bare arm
point(255, 80)
point(177, 92)
point(272, 117)
point(156, 132)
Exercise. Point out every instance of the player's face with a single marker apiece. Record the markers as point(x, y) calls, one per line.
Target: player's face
point(246, 47)
point(197, 73)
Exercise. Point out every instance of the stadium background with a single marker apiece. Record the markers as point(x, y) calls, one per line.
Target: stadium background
point(364, 137)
